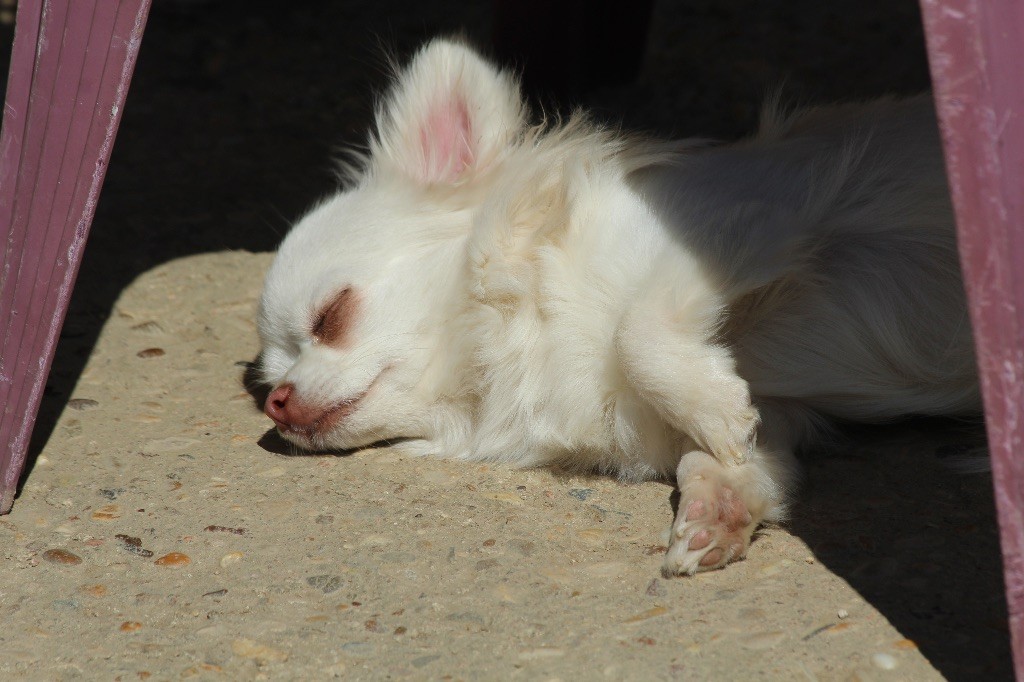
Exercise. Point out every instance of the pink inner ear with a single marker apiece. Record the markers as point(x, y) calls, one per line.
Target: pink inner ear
point(446, 140)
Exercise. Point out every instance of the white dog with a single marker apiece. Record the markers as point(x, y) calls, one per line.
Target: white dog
point(487, 289)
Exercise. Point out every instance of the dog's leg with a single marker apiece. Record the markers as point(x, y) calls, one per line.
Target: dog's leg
point(665, 345)
point(733, 477)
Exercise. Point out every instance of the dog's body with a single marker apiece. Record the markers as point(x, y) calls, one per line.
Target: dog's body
point(488, 290)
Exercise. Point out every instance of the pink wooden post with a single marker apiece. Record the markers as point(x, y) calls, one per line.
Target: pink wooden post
point(70, 67)
point(976, 50)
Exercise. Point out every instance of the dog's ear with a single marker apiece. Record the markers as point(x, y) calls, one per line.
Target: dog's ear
point(449, 116)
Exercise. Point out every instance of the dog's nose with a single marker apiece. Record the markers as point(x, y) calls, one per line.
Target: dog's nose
point(276, 406)
point(291, 413)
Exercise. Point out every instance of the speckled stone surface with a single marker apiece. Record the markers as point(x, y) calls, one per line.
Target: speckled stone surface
point(163, 533)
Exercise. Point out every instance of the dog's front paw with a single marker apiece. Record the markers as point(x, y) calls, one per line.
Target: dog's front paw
point(730, 432)
point(714, 524)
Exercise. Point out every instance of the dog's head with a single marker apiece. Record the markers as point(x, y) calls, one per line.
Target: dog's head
point(355, 303)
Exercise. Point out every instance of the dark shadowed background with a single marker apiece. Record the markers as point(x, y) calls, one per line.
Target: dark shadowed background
point(237, 107)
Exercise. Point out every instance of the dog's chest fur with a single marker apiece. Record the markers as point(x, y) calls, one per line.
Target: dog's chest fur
point(544, 304)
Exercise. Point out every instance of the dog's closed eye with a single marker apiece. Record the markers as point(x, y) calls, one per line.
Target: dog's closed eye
point(334, 318)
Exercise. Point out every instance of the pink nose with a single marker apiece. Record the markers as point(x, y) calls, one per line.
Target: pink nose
point(277, 407)
point(288, 412)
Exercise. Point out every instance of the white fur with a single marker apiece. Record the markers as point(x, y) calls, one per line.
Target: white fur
point(560, 294)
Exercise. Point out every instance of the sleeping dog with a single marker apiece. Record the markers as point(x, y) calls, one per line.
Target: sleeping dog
point(488, 288)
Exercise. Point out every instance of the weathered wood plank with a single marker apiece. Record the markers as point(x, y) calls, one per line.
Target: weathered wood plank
point(71, 64)
point(976, 49)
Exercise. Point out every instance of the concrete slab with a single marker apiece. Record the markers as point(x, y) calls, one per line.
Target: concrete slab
point(163, 534)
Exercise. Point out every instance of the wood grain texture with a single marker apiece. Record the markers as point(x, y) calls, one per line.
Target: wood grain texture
point(976, 48)
point(71, 64)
